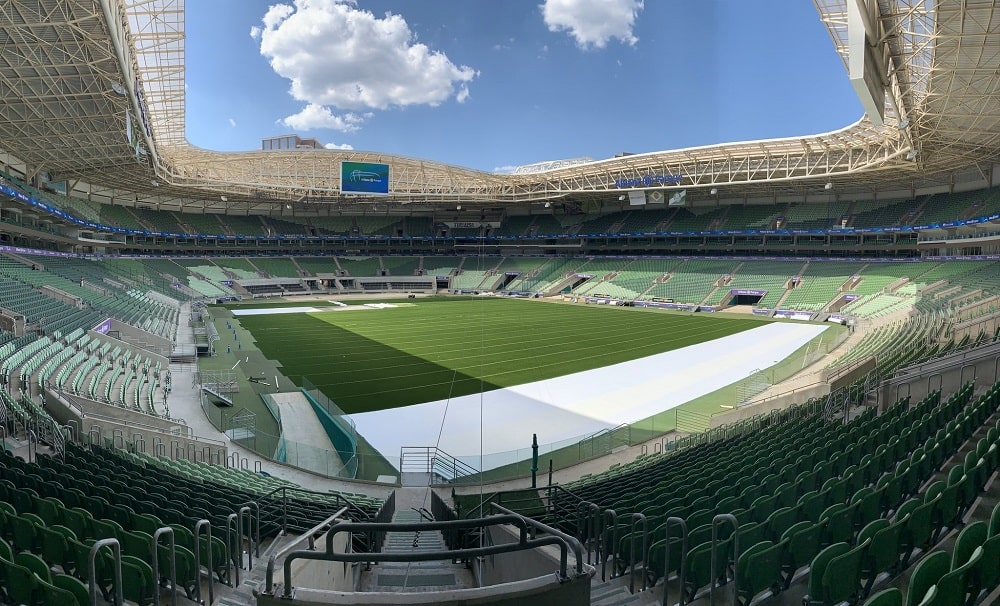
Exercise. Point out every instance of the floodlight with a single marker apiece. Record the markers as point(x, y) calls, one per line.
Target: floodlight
point(904, 124)
point(154, 183)
point(458, 207)
point(621, 197)
point(912, 154)
point(548, 205)
point(224, 199)
point(828, 186)
point(715, 190)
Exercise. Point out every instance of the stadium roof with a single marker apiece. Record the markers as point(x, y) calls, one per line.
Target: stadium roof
point(93, 92)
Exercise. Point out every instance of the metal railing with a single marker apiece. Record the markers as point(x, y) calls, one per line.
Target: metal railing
point(526, 526)
point(339, 501)
point(435, 462)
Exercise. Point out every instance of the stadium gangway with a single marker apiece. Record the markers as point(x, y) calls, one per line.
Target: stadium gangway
point(227, 400)
point(526, 526)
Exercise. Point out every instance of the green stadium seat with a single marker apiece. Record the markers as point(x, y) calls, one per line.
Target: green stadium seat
point(989, 565)
point(955, 586)
point(887, 597)
point(698, 572)
point(56, 549)
point(657, 559)
point(816, 592)
point(759, 569)
point(20, 583)
point(918, 529)
point(137, 581)
point(803, 544)
point(926, 574)
point(781, 520)
point(77, 589)
point(35, 564)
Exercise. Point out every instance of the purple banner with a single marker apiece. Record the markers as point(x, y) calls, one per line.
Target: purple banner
point(748, 292)
point(104, 327)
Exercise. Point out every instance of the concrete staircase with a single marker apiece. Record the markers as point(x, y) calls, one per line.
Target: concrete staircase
point(614, 592)
point(411, 577)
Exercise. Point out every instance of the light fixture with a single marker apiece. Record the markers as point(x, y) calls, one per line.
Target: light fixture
point(155, 183)
point(828, 186)
point(224, 199)
point(288, 206)
point(715, 190)
point(912, 154)
point(548, 205)
point(621, 197)
point(904, 124)
point(458, 207)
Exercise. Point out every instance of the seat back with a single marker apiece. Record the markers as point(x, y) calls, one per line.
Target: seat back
point(816, 592)
point(887, 597)
point(926, 574)
point(972, 536)
point(842, 576)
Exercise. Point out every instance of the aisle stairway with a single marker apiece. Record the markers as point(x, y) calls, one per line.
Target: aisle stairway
point(407, 577)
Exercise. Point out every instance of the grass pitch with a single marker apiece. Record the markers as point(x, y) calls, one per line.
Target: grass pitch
point(368, 360)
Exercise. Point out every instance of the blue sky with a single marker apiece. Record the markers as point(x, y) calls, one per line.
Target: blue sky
point(491, 85)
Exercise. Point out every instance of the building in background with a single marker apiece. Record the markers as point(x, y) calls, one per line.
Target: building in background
point(285, 142)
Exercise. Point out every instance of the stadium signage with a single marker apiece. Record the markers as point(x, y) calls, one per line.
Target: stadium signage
point(649, 181)
point(364, 178)
point(104, 327)
point(471, 224)
point(748, 292)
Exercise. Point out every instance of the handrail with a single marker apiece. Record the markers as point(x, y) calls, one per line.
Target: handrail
point(571, 541)
point(672, 520)
point(256, 506)
point(610, 522)
point(239, 513)
point(116, 553)
point(231, 521)
point(433, 460)
point(641, 520)
point(207, 525)
point(717, 521)
point(166, 530)
point(284, 496)
point(269, 572)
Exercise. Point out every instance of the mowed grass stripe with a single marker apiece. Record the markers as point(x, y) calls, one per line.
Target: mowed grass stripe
point(452, 353)
point(369, 360)
point(458, 333)
point(631, 344)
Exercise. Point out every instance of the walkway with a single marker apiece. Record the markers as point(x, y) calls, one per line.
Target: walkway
point(184, 402)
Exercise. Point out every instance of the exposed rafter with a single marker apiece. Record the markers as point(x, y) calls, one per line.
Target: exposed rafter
point(67, 62)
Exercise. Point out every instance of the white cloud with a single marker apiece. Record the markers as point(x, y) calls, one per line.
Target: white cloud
point(255, 32)
point(341, 57)
point(232, 123)
point(593, 22)
point(318, 116)
point(340, 146)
